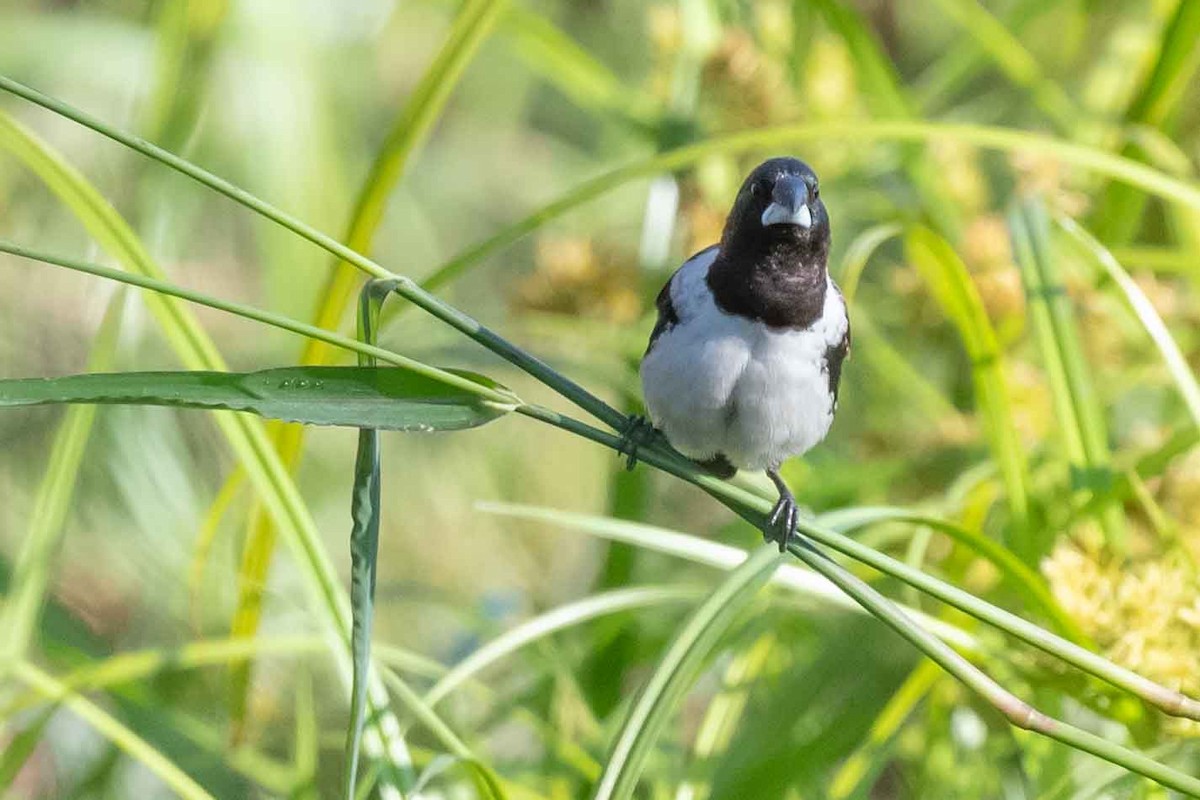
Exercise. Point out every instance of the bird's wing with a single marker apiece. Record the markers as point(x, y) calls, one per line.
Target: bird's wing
point(837, 350)
point(668, 317)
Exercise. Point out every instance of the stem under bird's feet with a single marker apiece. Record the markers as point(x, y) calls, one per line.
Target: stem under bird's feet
point(781, 523)
point(638, 431)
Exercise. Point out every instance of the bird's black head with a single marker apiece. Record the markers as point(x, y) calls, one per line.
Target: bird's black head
point(778, 219)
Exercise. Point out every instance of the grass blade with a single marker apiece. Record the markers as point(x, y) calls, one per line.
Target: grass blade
point(1119, 213)
point(713, 554)
point(950, 284)
point(676, 672)
point(383, 397)
point(128, 742)
point(558, 619)
point(474, 22)
point(23, 605)
point(1078, 409)
point(364, 547)
point(1143, 309)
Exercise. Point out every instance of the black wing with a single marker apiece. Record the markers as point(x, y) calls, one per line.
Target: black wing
point(667, 318)
point(835, 354)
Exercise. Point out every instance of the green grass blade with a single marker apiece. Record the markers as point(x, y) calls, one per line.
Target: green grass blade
point(1119, 213)
point(474, 22)
point(678, 670)
point(886, 98)
point(23, 604)
point(543, 625)
point(950, 284)
point(1013, 59)
point(1078, 410)
point(1143, 309)
point(365, 511)
point(713, 554)
point(1029, 584)
point(195, 349)
point(865, 761)
point(553, 55)
point(20, 746)
point(126, 740)
point(382, 397)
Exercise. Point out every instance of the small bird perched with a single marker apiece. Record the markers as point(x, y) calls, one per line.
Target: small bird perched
point(743, 364)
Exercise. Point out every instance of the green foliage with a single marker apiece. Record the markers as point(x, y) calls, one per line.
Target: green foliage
point(1017, 431)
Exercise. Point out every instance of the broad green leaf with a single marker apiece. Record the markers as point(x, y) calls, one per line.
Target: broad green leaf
point(1079, 411)
point(678, 670)
point(950, 284)
point(382, 397)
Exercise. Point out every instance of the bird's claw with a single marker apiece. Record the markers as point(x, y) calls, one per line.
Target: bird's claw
point(638, 431)
point(781, 524)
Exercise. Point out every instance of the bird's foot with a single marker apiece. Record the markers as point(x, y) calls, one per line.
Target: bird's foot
point(781, 522)
point(638, 432)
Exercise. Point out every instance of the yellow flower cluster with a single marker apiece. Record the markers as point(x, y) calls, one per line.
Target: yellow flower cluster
point(1143, 614)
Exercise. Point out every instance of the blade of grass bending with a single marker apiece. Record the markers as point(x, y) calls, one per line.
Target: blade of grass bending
point(123, 738)
point(1119, 212)
point(1030, 585)
point(1014, 60)
point(864, 762)
point(713, 554)
point(950, 284)
point(364, 547)
point(474, 22)
point(486, 782)
point(886, 97)
point(1143, 309)
point(1078, 409)
point(1015, 710)
point(245, 436)
point(22, 607)
point(859, 253)
point(753, 507)
point(561, 618)
point(678, 670)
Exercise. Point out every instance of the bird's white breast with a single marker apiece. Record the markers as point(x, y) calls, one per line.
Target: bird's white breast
point(721, 383)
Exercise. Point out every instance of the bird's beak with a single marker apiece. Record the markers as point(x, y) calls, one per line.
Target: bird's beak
point(789, 203)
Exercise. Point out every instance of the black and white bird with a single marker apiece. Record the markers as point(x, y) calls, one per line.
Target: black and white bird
point(743, 366)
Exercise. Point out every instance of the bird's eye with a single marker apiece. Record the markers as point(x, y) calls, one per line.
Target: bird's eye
point(756, 189)
point(816, 191)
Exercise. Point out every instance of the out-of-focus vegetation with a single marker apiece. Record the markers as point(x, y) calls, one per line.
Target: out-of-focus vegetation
point(1016, 221)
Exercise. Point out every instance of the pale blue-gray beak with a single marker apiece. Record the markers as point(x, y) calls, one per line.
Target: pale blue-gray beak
point(789, 203)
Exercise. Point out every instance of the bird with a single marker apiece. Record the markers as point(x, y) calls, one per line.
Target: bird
point(743, 364)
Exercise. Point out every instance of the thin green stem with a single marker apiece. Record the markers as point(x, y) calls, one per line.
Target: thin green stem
point(753, 507)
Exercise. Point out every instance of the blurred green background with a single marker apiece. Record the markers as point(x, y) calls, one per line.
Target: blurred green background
point(1095, 487)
